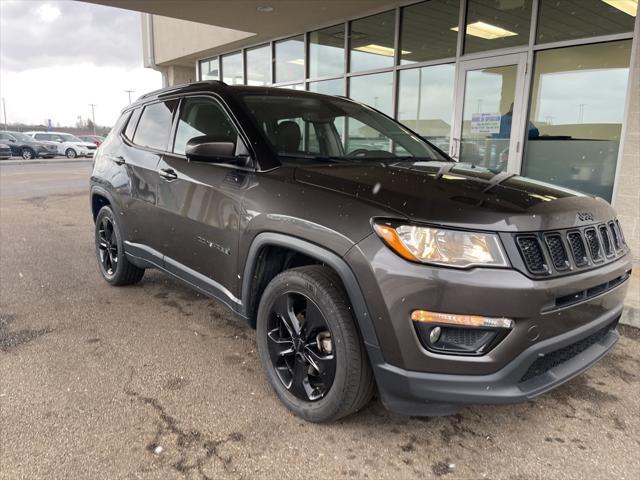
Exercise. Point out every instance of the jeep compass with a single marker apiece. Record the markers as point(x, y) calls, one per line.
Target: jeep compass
point(365, 258)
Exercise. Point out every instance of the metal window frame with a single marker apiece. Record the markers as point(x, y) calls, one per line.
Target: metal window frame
point(530, 49)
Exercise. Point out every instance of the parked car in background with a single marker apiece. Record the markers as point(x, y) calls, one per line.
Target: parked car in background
point(5, 151)
point(96, 139)
point(68, 145)
point(24, 146)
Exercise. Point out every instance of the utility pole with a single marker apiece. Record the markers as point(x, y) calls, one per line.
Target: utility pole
point(4, 109)
point(93, 116)
point(129, 92)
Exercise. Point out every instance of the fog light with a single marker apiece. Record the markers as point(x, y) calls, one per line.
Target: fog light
point(434, 336)
point(459, 334)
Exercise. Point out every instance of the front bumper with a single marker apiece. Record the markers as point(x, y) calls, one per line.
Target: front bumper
point(414, 380)
point(535, 371)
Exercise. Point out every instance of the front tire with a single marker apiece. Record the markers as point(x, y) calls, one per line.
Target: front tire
point(28, 154)
point(310, 347)
point(71, 153)
point(114, 266)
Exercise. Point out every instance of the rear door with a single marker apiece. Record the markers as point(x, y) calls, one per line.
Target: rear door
point(145, 141)
point(200, 202)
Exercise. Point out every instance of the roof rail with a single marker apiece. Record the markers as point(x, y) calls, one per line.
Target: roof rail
point(177, 87)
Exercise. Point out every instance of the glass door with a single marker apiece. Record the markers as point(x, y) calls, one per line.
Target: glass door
point(489, 108)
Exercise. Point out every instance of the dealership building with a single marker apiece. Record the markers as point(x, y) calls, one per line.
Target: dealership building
point(549, 89)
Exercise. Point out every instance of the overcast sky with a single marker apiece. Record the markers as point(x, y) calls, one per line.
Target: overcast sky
point(57, 57)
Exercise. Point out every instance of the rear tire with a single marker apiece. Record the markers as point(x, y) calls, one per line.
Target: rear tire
point(314, 296)
point(71, 153)
point(114, 265)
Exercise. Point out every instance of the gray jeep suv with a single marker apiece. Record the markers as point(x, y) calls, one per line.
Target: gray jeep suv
point(365, 258)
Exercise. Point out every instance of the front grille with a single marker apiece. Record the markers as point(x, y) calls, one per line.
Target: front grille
point(562, 252)
point(594, 244)
point(578, 249)
point(606, 240)
point(531, 252)
point(558, 357)
point(615, 235)
point(557, 251)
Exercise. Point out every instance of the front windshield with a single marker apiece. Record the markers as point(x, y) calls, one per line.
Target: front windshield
point(21, 137)
point(325, 128)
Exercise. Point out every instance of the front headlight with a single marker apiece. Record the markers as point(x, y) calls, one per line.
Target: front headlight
point(453, 248)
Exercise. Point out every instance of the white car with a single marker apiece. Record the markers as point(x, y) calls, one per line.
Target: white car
point(68, 145)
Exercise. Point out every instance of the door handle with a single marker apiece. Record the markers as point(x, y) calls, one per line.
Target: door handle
point(169, 174)
point(119, 160)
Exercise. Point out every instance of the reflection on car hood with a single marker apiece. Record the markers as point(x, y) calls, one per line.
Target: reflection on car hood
point(458, 194)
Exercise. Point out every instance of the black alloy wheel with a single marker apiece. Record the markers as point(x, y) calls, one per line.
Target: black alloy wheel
point(310, 347)
point(301, 347)
point(115, 268)
point(107, 246)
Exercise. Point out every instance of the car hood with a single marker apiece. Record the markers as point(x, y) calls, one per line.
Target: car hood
point(460, 195)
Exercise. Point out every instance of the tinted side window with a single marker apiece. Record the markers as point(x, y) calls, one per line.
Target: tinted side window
point(4, 136)
point(199, 117)
point(42, 136)
point(131, 125)
point(154, 126)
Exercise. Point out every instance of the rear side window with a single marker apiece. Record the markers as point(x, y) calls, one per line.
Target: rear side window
point(154, 126)
point(199, 117)
point(42, 136)
point(131, 125)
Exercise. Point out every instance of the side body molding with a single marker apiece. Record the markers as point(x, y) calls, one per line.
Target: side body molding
point(351, 285)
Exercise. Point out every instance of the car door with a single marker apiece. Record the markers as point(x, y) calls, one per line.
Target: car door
point(145, 140)
point(200, 202)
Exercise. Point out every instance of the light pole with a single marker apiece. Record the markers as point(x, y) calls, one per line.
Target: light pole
point(4, 110)
point(129, 92)
point(93, 116)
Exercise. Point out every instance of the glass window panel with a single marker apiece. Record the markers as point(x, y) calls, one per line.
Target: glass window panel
point(202, 117)
point(328, 87)
point(232, 69)
point(259, 65)
point(374, 90)
point(425, 102)
point(326, 52)
point(290, 59)
point(372, 42)
point(579, 121)
point(209, 69)
point(488, 98)
point(426, 32)
point(155, 125)
point(495, 24)
point(568, 19)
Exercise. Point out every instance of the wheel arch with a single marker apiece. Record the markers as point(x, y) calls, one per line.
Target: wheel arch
point(253, 283)
point(99, 198)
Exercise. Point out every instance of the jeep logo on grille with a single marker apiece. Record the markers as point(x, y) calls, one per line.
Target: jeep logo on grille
point(584, 216)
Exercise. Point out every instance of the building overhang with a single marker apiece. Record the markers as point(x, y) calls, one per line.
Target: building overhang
point(239, 23)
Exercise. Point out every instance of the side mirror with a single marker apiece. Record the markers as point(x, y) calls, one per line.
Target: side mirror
point(207, 148)
point(59, 140)
point(12, 140)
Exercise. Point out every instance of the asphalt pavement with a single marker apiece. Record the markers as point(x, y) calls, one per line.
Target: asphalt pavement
point(158, 381)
